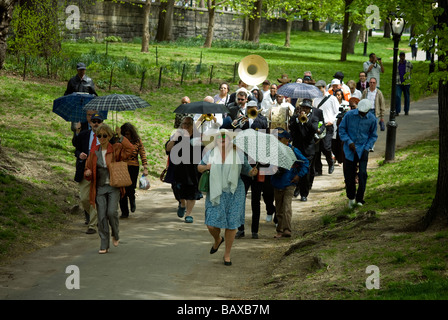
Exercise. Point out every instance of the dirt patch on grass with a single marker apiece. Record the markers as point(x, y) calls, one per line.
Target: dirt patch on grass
point(40, 203)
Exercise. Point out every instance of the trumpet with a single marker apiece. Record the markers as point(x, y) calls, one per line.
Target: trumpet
point(206, 117)
point(303, 119)
point(251, 114)
point(240, 121)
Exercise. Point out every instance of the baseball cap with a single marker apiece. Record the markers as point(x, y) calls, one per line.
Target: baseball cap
point(335, 81)
point(321, 83)
point(252, 103)
point(81, 66)
point(365, 105)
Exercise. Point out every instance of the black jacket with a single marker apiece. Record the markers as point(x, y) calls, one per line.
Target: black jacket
point(81, 143)
point(76, 84)
point(303, 133)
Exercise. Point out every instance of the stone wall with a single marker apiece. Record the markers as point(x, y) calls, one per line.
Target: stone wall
point(108, 18)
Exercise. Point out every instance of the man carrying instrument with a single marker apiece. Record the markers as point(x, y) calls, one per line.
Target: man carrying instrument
point(330, 108)
point(304, 126)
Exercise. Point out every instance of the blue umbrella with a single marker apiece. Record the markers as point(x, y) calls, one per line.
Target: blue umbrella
point(70, 107)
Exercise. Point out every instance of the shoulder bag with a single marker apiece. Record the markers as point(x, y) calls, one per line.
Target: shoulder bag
point(119, 174)
point(204, 182)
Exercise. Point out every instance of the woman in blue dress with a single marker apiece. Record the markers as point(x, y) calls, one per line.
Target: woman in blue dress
point(225, 202)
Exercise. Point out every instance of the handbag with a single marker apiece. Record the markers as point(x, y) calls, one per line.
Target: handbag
point(164, 172)
point(204, 182)
point(119, 174)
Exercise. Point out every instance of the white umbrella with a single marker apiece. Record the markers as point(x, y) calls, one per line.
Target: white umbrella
point(265, 148)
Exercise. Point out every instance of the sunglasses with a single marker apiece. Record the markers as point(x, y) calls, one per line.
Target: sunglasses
point(102, 136)
point(97, 121)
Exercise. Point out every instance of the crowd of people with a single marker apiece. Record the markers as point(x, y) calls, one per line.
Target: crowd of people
point(341, 125)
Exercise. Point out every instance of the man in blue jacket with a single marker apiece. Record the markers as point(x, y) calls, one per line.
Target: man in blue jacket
point(358, 132)
point(284, 183)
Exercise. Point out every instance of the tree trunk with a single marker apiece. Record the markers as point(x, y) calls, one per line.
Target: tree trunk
point(6, 10)
point(255, 22)
point(165, 21)
point(211, 23)
point(345, 31)
point(146, 33)
point(306, 25)
point(438, 212)
point(386, 30)
point(316, 25)
point(288, 33)
point(245, 36)
point(353, 34)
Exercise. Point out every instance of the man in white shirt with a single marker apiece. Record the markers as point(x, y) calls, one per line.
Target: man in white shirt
point(269, 100)
point(373, 68)
point(266, 87)
point(330, 108)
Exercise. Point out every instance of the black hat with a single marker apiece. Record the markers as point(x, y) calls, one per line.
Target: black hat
point(339, 75)
point(307, 103)
point(81, 66)
point(97, 116)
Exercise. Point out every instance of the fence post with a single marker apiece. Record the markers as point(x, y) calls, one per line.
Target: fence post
point(211, 74)
point(183, 73)
point(111, 76)
point(143, 80)
point(160, 77)
point(234, 71)
point(157, 57)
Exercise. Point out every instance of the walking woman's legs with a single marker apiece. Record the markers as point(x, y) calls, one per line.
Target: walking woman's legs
point(216, 234)
point(229, 236)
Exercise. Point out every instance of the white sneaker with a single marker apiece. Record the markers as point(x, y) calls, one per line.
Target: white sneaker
point(359, 204)
point(268, 217)
point(351, 203)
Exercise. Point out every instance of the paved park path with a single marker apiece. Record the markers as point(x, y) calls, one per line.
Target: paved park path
point(162, 257)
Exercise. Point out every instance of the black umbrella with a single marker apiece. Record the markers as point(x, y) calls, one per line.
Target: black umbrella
point(201, 107)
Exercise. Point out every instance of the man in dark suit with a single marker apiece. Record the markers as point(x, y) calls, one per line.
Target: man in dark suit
point(362, 84)
point(85, 142)
point(304, 125)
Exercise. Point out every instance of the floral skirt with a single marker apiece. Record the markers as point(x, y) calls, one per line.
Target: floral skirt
point(230, 212)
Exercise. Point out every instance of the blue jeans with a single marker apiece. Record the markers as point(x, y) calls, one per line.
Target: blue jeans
point(405, 89)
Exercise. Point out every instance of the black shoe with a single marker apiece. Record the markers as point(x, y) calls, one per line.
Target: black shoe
point(239, 234)
point(227, 263)
point(296, 193)
point(86, 217)
point(406, 113)
point(303, 199)
point(133, 206)
point(213, 250)
point(254, 235)
point(331, 169)
point(90, 231)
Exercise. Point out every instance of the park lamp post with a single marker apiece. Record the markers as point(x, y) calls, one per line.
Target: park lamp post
point(397, 26)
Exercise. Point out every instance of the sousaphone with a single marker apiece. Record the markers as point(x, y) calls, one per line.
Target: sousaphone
point(253, 70)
